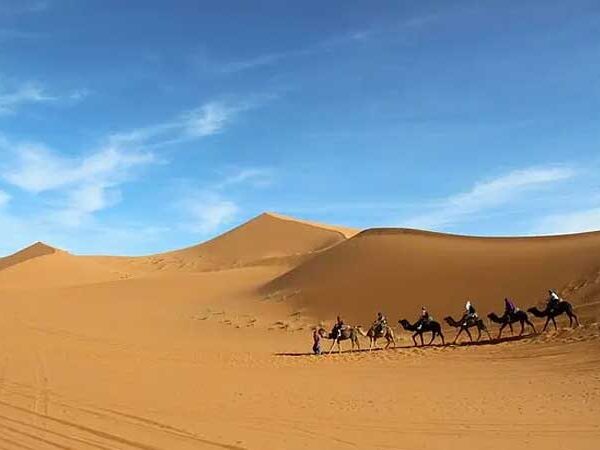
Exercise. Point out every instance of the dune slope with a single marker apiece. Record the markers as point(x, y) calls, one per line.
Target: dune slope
point(265, 239)
point(398, 270)
point(33, 251)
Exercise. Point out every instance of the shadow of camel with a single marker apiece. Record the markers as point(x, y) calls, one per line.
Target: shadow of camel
point(408, 347)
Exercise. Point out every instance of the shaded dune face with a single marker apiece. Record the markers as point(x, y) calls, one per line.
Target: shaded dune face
point(33, 251)
point(397, 271)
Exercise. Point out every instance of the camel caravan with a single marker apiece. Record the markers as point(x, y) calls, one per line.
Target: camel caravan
point(380, 329)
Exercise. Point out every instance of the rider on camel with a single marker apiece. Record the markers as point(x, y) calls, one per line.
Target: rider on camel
point(509, 308)
point(553, 300)
point(424, 319)
point(380, 324)
point(470, 314)
point(336, 331)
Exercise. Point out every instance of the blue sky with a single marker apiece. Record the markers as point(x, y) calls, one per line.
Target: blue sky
point(141, 126)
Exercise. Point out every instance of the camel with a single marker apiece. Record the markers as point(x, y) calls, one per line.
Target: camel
point(346, 333)
point(506, 319)
point(562, 307)
point(432, 326)
point(471, 323)
point(386, 333)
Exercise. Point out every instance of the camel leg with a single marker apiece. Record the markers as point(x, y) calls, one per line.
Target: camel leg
point(546, 324)
point(332, 345)
point(443, 340)
point(522, 328)
point(512, 332)
point(390, 339)
point(572, 316)
point(339, 346)
point(421, 336)
point(414, 340)
point(469, 334)
point(459, 333)
point(501, 328)
point(531, 325)
point(478, 334)
point(433, 334)
point(554, 322)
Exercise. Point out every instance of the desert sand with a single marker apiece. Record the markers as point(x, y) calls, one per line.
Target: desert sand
point(209, 347)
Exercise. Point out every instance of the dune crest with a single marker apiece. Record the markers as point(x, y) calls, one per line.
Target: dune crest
point(267, 239)
point(33, 251)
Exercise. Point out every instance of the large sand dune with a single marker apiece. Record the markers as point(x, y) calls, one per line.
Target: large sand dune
point(265, 239)
point(206, 347)
point(397, 271)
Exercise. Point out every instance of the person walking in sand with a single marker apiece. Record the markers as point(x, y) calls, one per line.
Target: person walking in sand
point(316, 341)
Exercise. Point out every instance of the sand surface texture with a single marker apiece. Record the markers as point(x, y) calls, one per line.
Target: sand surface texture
point(209, 347)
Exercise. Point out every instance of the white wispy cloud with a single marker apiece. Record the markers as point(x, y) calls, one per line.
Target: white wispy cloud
point(4, 198)
point(207, 212)
point(88, 183)
point(269, 59)
point(209, 208)
point(409, 25)
point(33, 93)
point(257, 177)
point(208, 119)
point(488, 194)
point(84, 185)
point(38, 169)
point(569, 222)
point(83, 201)
point(78, 95)
point(26, 94)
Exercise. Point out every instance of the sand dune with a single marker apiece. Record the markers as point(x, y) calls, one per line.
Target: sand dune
point(206, 347)
point(397, 271)
point(53, 269)
point(33, 251)
point(268, 237)
point(267, 240)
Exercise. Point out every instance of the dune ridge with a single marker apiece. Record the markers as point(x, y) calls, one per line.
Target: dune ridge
point(268, 238)
point(398, 270)
point(33, 251)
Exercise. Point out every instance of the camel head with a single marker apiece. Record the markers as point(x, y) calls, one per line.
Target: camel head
point(495, 318)
point(536, 312)
point(405, 323)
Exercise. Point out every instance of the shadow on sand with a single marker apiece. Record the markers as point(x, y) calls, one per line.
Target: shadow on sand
point(408, 347)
